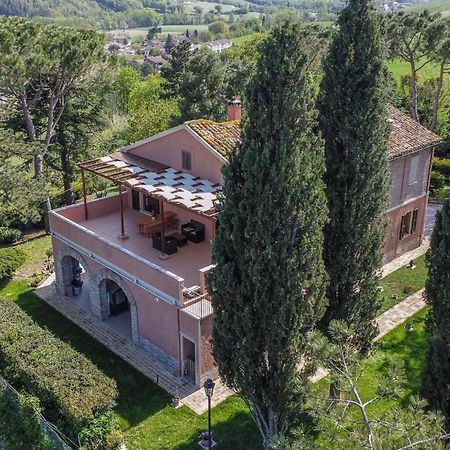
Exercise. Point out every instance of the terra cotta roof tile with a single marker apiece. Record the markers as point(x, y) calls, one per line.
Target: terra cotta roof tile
point(407, 136)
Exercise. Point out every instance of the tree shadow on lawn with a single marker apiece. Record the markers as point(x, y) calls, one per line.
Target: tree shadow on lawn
point(138, 397)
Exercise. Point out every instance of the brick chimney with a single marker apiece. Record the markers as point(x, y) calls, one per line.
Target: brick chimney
point(234, 109)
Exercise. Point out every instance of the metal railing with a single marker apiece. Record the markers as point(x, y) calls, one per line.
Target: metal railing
point(199, 306)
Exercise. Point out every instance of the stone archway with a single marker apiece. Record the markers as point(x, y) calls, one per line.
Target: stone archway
point(99, 301)
point(64, 265)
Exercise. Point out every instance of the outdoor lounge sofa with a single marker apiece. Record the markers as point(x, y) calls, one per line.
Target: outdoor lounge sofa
point(194, 231)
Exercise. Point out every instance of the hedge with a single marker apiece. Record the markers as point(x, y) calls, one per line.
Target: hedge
point(10, 260)
point(9, 235)
point(442, 165)
point(71, 389)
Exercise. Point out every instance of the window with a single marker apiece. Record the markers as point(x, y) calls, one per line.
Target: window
point(135, 200)
point(151, 205)
point(413, 170)
point(186, 161)
point(409, 223)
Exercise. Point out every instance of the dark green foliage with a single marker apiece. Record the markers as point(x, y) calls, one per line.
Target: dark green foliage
point(442, 165)
point(436, 380)
point(437, 181)
point(9, 235)
point(269, 282)
point(71, 389)
point(10, 260)
point(19, 423)
point(352, 114)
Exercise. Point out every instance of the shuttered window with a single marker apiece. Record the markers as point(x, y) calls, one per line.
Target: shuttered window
point(409, 223)
point(186, 161)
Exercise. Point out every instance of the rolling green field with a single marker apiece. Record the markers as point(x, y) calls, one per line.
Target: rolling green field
point(442, 6)
point(206, 6)
point(136, 33)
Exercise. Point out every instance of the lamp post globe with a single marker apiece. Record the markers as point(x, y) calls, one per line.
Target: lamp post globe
point(209, 387)
point(209, 391)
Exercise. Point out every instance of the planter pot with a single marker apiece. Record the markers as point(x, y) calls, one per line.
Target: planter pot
point(175, 401)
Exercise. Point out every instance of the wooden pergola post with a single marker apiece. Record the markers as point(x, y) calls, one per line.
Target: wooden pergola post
point(163, 227)
point(122, 221)
point(84, 195)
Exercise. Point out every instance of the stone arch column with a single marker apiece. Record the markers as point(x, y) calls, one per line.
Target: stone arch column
point(99, 303)
point(63, 271)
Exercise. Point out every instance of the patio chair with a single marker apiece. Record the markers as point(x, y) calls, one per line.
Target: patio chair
point(170, 246)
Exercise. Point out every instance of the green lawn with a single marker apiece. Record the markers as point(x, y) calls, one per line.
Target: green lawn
point(402, 283)
point(143, 408)
point(442, 6)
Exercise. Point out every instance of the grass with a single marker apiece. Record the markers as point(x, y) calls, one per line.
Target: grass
point(442, 6)
point(143, 410)
point(402, 283)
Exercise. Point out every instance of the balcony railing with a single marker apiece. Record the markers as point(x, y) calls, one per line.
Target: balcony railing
point(199, 306)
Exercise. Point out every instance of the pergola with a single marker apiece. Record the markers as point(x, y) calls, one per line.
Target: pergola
point(156, 180)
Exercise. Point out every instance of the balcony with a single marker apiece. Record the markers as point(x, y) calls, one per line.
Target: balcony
point(100, 234)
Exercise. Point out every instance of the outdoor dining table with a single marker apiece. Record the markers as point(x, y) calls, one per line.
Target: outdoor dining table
point(149, 222)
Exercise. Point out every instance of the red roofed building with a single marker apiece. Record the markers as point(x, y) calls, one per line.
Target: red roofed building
point(137, 260)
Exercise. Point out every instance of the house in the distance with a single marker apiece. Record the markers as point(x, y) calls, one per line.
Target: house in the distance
point(137, 260)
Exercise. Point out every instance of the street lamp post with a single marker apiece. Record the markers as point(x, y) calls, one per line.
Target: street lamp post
point(209, 390)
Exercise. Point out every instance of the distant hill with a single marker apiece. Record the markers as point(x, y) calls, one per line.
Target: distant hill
point(442, 6)
point(55, 8)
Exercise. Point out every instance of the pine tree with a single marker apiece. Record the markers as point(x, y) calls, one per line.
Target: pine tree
point(352, 116)
point(436, 379)
point(269, 283)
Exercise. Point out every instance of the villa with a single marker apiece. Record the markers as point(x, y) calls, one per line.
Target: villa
point(138, 259)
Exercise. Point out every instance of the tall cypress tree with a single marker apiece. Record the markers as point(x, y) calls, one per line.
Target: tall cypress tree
point(436, 379)
point(352, 116)
point(269, 283)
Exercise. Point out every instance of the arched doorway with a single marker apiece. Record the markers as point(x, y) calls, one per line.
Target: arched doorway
point(117, 304)
point(73, 276)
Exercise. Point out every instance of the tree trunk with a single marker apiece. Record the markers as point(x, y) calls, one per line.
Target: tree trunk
point(414, 113)
point(66, 174)
point(39, 174)
point(267, 422)
point(437, 97)
point(335, 391)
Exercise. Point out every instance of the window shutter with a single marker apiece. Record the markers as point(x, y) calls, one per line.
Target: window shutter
point(414, 220)
point(402, 228)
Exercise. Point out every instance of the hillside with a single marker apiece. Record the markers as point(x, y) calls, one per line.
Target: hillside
point(442, 6)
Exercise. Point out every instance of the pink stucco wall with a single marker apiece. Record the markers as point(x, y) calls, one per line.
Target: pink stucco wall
point(115, 256)
point(167, 150)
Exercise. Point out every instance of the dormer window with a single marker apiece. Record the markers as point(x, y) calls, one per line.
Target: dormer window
point(186, 161)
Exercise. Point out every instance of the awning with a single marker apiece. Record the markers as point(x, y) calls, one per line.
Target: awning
point(157, 180)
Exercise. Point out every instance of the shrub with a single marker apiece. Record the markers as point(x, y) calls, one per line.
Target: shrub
point(102, 432)
point(437, 181)
point(10, 260)
point(442, 166)
point(9, 235)
point(20, 424)
point(71, 389)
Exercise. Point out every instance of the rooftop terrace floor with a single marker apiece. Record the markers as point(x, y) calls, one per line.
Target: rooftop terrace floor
point(186, 263)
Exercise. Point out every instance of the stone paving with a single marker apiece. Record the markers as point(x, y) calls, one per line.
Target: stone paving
point(404, 259)
point(189, 395)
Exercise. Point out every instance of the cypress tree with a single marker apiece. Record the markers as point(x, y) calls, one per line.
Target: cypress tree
point(269, 283)
point(436, 379)
point(352, 117)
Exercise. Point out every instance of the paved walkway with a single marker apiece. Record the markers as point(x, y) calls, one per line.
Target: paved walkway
point(404, 259)
point(141, 360)
point(189, 395)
